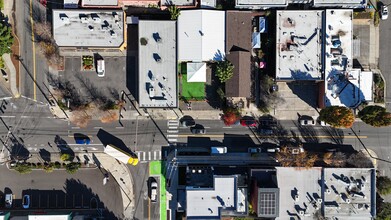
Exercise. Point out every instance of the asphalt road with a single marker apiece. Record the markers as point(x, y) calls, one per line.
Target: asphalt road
point(79, 190)
point(385, 54)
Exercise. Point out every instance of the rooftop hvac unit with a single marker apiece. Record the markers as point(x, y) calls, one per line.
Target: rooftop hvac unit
point(319, 201)
point(348, 201)
point(113, 34)
point(328, 191)
point(84, 19)
point(301, 212)
point(96, 19)
point(296, 198)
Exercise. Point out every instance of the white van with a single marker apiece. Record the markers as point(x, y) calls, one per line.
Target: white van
point(101, 67)
point(8, 200)
point(218, 150)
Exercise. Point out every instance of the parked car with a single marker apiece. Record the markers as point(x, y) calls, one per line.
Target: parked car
point(153, 190)
point(218, 150)
point(384, 12)
point(8, 200)
point(101, 67)
point(26, 201)
point(307, 122)
point(254, 150)
point(188, 123)
point(323, 123)
point(82, 139)
point(198, 129)
point(248, 122)
point(273, 150)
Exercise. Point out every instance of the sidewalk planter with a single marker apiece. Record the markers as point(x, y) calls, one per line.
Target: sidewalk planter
point(87, 63)
point(48, 167)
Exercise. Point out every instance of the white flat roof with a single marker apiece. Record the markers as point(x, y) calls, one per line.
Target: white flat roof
point(344, 86)
point(157, 64)
point(201, 35)
point(298, 45)
point(88, 28)
point(48, 217)
point(254, 4)
point(206, 203)
point(340, 181)
point(340, 3)
point(304, 182)
point(99, 2)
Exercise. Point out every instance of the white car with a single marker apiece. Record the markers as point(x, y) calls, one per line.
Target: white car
point(384, 12)
point(153, 191)
point(324, 124)
point(307, 122)
point(101, 68)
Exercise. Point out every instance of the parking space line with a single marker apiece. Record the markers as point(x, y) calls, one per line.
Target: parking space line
point(149, 155)
point(160, 155)
point(154, 155)
point(75, 127)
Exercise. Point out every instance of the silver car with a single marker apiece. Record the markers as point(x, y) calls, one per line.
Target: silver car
point(307, 122)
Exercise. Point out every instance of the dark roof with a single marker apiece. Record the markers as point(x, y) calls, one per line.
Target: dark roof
point(268, 202)
point(240, 84)
point(238, 30)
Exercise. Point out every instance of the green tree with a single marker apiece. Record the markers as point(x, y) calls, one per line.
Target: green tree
point(49, 168)
point(224, 70)
point(6, 39)
point(23, 168)
point(383, 211)
point(65, 157)
point(375, 115)
point(174, 12)
point(337, 116)
point(72, 167)
point(383, 185)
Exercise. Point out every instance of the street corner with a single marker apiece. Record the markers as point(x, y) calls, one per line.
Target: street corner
point(371, 155)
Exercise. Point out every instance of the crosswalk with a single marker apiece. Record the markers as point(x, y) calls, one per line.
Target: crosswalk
point(172, 131)
point(149, 155)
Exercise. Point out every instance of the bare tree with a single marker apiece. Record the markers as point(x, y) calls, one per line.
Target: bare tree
point(43, 30)
point(360, 160)
point(109, 116)
point(80, 118)
point(337, 159)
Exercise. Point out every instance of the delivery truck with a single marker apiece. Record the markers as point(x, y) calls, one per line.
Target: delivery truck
point(121, 155)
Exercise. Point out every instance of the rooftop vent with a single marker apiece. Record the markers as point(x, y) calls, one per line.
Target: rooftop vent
point(113, 34)
point(301, 213)
point(328, 191)
point(157, 37)
point(157, 58)
point(83, 18)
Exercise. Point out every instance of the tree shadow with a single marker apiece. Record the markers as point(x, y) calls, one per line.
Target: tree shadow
point(18, 150)
point(306, 91)
point(45, 155)
point(95, 93)
point(308, 133)
point(335, 135)
point(63, 146)
point(235, 140)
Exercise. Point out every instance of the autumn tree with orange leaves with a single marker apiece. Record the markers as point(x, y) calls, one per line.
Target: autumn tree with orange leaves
point(287, 159)
point(230, 116)
point(337, 116)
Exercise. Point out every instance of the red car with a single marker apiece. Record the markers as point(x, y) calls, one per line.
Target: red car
point(248, 122)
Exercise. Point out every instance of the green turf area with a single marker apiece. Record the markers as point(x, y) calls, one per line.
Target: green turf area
point(192, 90)
point(156, 168)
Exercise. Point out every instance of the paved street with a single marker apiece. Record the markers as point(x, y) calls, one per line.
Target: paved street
point(60, 190)
point(385, 53)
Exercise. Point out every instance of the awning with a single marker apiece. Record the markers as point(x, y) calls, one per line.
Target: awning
point(256, 40)
point(196, 72)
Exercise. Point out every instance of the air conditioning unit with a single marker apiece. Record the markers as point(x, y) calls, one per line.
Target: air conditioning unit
point(328, 191)
point(319, 201)
point(348, 201)
point(301, 212)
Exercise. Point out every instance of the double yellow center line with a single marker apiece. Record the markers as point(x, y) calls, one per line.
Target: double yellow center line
point(33, 45)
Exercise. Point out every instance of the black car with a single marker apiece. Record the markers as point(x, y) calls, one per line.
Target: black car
point(198, 129)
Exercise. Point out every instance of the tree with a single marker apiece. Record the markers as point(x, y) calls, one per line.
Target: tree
point(384, 211)
point(359, 160)
point(49, 168)
point(335, 159)
point(224, 70)
point(302, 159)
point(383, 185)
point(6, 39)
point(65, 157)
point(72, 167)
point(230, 116)
point(43, 30)
point(337, 116)
point(376, 116)
point(174, 12)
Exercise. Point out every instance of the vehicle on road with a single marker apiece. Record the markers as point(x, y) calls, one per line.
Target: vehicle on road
point(273, 150)
point(307, 122)
point(101, 67)
point(266, 130)
point(187, 121)
point(26, 201)
point(198, 129)
point(248, 122)
point(218, 150)
point(82, 139)
point(384, 12)
point(323, 123)
point(254, 150)
point(8, 200)
point(124, 157)
point(153, 190)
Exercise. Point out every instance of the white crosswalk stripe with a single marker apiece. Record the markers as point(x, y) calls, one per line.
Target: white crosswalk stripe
point(149, 155)
point(172, 130)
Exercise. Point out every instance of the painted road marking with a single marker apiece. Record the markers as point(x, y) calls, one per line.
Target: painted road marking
point(75, 127)
point(172, 140)
point(154, 155)
point(119, 127)
point(227, 127)
point(98, 127)
point(33, 45)
point(266, 136)
point(172, 135)
point(149, 155)
point(172, 127)
point(172, 131)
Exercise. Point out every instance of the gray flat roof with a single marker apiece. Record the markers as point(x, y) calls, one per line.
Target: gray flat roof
point(88, 28)
point(206, 202)
point(298, 45)
point(99, 2)
point(348, 193)
point(341, 3)
point(157, 64)
point(304, 183)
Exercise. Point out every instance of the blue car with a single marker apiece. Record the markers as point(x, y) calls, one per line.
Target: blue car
point(82, 139)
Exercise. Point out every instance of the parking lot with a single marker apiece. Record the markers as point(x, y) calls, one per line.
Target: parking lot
point(89, 85)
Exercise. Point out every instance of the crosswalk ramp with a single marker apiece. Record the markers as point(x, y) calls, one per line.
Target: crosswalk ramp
point(149, 155)
point(172, 131)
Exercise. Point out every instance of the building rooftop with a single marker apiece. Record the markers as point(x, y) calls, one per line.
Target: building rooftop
point(88, 28)
point(349, 193)
point(157, 64)
point(207, 202)
point(201, 35)
point(99, 2)
point(299, 48)
point(260, 4)
point(343, 85)
point(299, 192)
point(240, 83)
point(178, 2)
point(340, 3)
point(238, 31)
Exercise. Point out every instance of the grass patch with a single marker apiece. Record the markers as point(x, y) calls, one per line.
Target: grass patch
point(1, 61)
point(157, 168)
point(192, 90)
point(1, 4)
